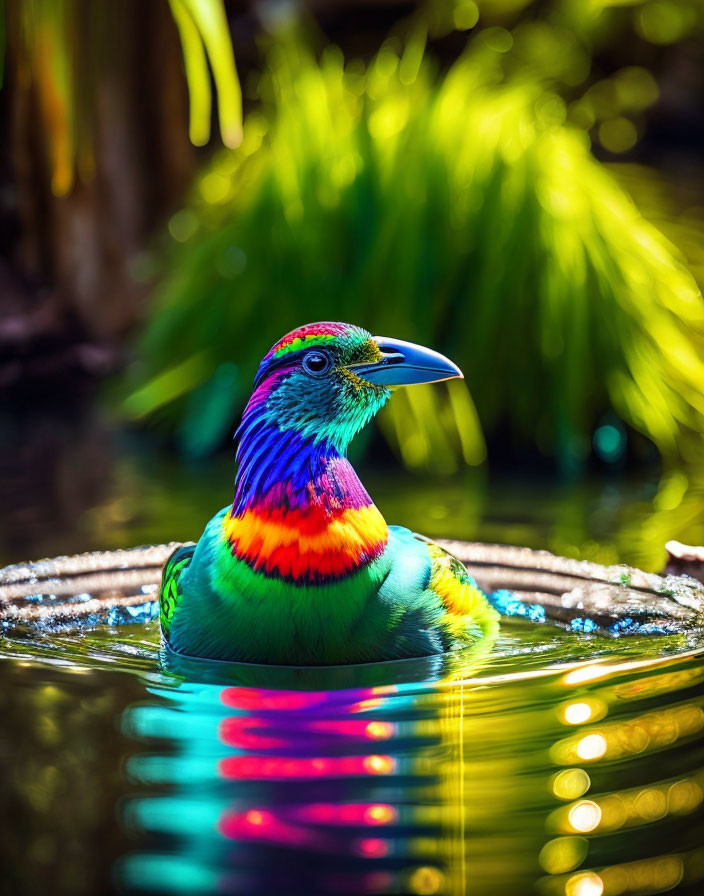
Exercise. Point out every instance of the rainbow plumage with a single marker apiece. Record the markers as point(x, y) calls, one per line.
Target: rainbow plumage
point(302, 568)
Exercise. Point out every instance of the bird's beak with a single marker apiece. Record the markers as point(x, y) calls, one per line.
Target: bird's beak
point(405, 364)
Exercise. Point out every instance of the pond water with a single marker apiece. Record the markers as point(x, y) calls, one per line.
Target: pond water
point(87, 497)
point(556, 763)
point(553, 762)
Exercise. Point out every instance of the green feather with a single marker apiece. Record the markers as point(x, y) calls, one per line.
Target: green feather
point(384, 611)
point(169, 594)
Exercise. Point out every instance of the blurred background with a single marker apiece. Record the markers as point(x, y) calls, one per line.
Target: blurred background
point(517, 183)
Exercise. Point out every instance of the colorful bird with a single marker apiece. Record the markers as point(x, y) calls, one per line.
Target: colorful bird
point(302, 568)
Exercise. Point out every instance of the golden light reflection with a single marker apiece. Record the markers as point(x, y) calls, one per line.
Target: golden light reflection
point(380, 814)
point(426, 880)
point(570, 783)
point(614, 812)
point(651, 731)
point(651, 875)
point(379, 730)
point(651, 804)
point(593, 671)
point(684, 796)
point(659, 874)
point(379, 765)
point(590, 672)
point(578, 712)
point(629, 808)
point(584, 816)
point(663, 683)
point(563, 854)
point(585, 884)
point(593, 746)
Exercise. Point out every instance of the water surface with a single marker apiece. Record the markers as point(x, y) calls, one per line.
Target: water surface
point(568, 763)
point(555, 763)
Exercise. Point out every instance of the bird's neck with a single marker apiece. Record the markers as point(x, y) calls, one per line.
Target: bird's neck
point(300, 512)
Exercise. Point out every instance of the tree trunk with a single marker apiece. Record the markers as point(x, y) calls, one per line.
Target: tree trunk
point(68, 290)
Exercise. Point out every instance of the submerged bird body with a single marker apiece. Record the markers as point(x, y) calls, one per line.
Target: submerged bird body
point(302, 569)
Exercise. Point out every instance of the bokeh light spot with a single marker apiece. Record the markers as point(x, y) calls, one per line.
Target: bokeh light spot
point(465, 15)
point(684, 796)
point(651, 804)
point(614, 813)
point(584, 816)
point(577, 713)
point(664, 22)
point(635, 87)
point(379, 730)
point(618, 134)
point(570, 783)
point(593, 746)
point(372, 848)
point(380, 813)
point(183, 225)
point(563, 854)
point(426, 880)
point(214, 187)
point(257, 818)
point(586, 884)
point(498, 39)
point(379, 765)
point(609, 443)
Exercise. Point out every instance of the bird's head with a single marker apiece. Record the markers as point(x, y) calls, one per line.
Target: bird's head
point(325, 381)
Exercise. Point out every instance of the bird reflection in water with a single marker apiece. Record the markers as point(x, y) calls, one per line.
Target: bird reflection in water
point(266, 790)
point(297, 738)
point(582, 782)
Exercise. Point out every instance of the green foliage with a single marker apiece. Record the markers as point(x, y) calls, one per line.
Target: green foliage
point(557, 41)
point(202, 26)
point(463, 212)
point(62, 45)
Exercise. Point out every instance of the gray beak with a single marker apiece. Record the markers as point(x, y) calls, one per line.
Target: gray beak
point(406, 364)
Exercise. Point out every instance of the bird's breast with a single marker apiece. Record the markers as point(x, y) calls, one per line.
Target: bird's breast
point(313, 545)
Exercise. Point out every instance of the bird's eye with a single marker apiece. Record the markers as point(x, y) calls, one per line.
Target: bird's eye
point(316, 363)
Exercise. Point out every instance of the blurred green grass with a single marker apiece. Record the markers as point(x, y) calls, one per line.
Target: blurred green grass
point(464, 211)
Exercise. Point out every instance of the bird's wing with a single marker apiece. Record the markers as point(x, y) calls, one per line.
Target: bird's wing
point(169, 593)
point(437, 606)
point(467, 612)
